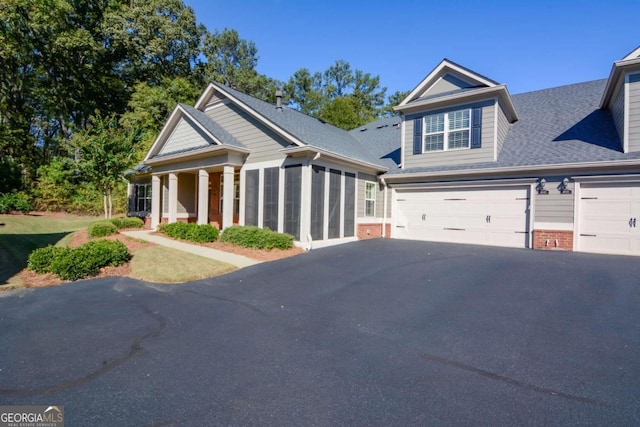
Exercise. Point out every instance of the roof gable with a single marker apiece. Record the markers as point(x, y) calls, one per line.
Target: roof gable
point(186, 135)
point(633, 54)
point(446, 77)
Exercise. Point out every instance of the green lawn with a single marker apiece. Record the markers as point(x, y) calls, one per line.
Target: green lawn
point(21, 234)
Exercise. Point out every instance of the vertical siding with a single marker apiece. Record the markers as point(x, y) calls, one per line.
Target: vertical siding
point(186, 135)
point(454, 157)
point(503, 128)
point(264, 144)
point(360, 211)
point(554, 207)
point(634, 112)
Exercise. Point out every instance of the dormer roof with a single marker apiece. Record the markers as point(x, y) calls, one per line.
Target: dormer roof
point(451, 83)
point(630, 63)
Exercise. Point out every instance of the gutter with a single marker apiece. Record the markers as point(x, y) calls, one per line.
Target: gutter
point(331, 154)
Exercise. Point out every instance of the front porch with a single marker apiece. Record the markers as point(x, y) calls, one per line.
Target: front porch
point(206, 196)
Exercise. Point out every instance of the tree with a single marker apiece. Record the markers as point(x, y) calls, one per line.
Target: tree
point(394, 99)
point(107, 150)
point(340, 95)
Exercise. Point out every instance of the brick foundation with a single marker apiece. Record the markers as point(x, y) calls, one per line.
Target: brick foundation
point(164, 220)
point(147, 222)
point(372, 231)
point(558, 240)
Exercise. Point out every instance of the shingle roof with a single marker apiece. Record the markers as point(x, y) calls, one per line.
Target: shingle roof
point(562, 125)
point(382, 138)
point(212, 127)
point(307, 129)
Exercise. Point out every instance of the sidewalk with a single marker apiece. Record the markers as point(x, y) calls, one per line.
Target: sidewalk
point(233, 259)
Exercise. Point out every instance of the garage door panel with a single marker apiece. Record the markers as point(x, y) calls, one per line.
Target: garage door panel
point(606, 218)
point(479, 216)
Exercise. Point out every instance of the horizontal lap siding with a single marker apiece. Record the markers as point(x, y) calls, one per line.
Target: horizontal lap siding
point(215, 99)
point(264, 144)
point(554, 207)
point(362, 179)
point(447, 83)
point(187, 135)
point(634, 112)
point(455, 157)
point(617, 111)
point(503, 128)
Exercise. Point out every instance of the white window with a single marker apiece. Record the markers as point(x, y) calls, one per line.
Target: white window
point(447, 131)
point(369, 199)
point(142, 202)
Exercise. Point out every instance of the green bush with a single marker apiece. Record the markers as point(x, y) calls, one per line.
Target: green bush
point(40, 259)
point(195, 233)
point(255, 237)
point(127, 222)
point(76, 263)
point(203, 233)
point(102, 228)
point(18, 201)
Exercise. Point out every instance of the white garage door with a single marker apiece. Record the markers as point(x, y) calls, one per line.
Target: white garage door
point(609, 218)
point(497, 216)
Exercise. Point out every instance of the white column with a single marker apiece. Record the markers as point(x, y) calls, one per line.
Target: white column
point(227, 197)
point(173, 198)
point(305, 204)
point(156, 193)
point(203, 197)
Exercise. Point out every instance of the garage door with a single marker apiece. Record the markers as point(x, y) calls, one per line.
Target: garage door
point(609, 218)
point(497, 216)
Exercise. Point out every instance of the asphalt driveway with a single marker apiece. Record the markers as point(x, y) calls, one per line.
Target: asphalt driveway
point(369, 333)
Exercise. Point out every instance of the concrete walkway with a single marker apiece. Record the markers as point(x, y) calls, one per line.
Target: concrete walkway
point(233, 259)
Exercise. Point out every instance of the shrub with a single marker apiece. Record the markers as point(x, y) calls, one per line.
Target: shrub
point(195, 233)
point(255, 237)
point(102, 228)
point(203, 233)
point(18, 201)
point(127, 222)
point(40, 260)
point(76, 263)
point(6, 202)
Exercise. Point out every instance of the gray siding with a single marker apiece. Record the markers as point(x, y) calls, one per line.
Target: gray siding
point(264, 144)
point(503, 128)
point(362, 178)
point(193, 164)
point(215, 99)
point(186, 135)
point(447, 83)
point(634, 112)
point(455, 157)
point(554, 207)
point(617, 111)
point(186, 193)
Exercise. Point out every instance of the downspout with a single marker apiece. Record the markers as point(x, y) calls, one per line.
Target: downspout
point(384, 208)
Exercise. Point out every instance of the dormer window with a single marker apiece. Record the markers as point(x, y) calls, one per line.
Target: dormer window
point(447, 131)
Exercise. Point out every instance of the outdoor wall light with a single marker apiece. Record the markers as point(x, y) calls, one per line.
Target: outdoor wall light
point(562, 187)
point(540, 186)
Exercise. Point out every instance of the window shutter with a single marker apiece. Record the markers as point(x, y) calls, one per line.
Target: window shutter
point(476, 127)
point(417, 136)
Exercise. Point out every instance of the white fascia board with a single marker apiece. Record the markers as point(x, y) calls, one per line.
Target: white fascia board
point(436, 73)
point(277, 129)
point(617, 69)
point(195, 154)
point(206, 94)
point(560, 167)
point(445, 101)
point(312, 149)
point(466, 184)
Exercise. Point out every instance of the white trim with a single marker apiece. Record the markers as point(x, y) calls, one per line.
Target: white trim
point(439, 71)
point(369, 220)
point(446, 131)
point(466, 184)
point(633, 54)
point(625, 138)
point(335, 157)
point(243, 176)
point(281, 197)
point(384, 210)
point(327, 183)
point(606, 179)
point(375, 185)
point(317, 244)
point(576, 215)
point(343, 198)
point(402, 141)
point(260, 197)
point(495, 129)
point(555, 226)
point(219, 104)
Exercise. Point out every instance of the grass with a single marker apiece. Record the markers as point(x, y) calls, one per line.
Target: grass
point(181, 266)
point(21, 234)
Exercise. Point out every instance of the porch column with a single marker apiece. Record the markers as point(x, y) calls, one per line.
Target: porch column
point(155, 201)
point(203, 197)
point(173, 198)
point(227, 197)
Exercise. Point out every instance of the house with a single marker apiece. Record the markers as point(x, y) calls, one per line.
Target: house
point(465, 161)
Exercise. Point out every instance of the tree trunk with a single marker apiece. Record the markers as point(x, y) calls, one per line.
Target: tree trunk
point(104, 201)
point(110, 204)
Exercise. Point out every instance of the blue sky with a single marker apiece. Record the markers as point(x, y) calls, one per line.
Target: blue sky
point(526, 45)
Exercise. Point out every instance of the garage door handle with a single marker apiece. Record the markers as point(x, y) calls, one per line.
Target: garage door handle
point(587, 235)
point(488, 219)
point(454, 229)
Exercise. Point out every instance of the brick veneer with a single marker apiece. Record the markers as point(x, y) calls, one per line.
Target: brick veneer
point(372, 231)
point(564, 239)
